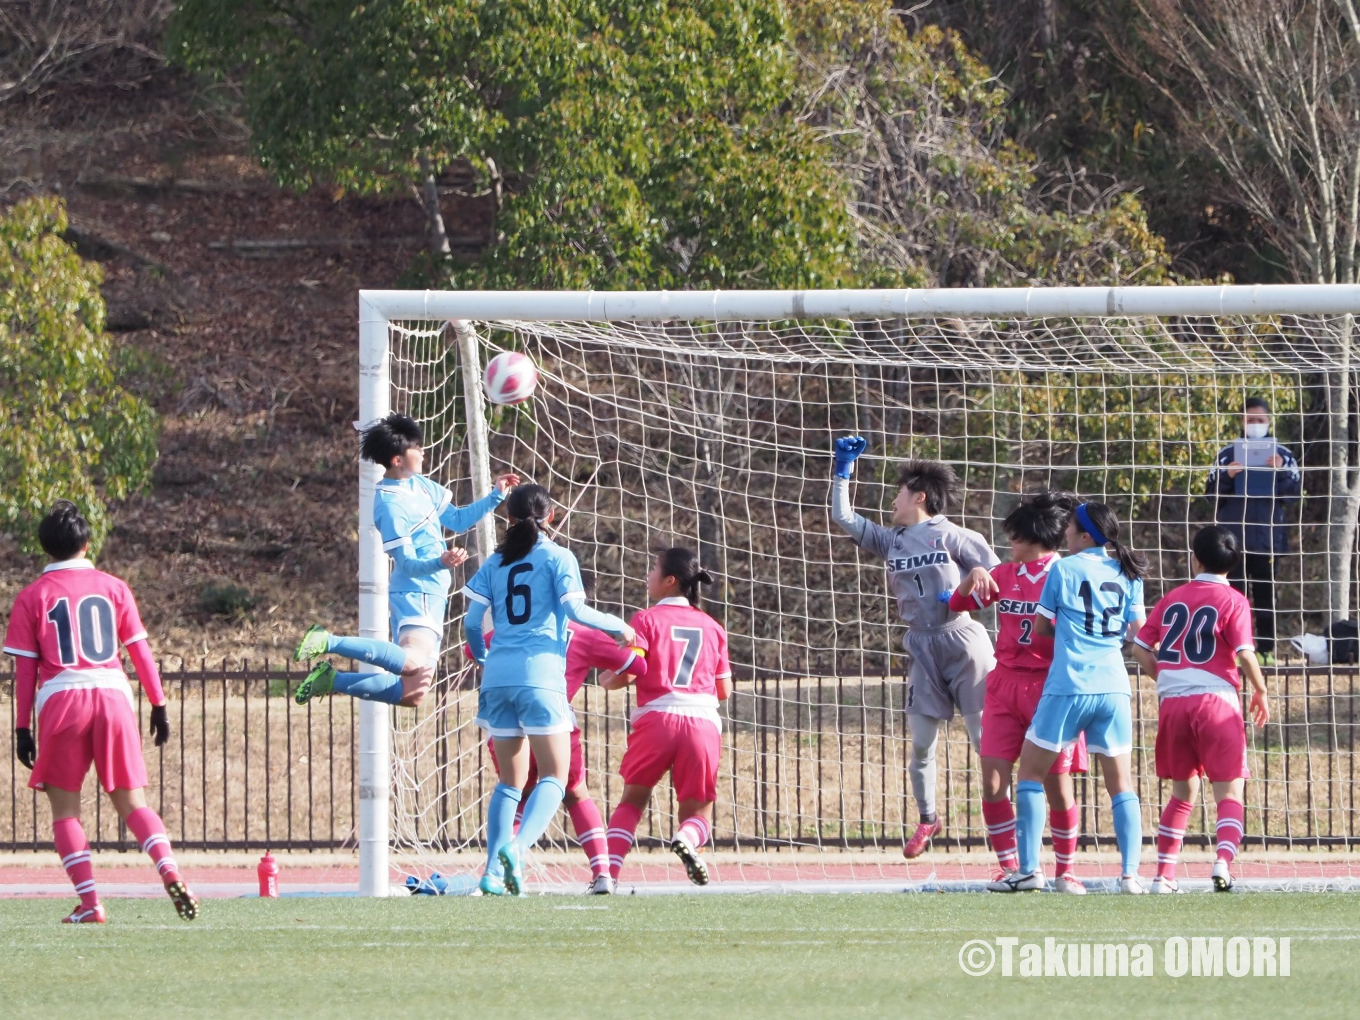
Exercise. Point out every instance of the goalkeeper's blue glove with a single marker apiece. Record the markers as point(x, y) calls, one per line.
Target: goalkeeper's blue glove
point(847, 450)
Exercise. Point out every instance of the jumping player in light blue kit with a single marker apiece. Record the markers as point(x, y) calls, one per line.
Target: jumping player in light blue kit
point(410, 512)
point(1092, 604)
point(532, 587)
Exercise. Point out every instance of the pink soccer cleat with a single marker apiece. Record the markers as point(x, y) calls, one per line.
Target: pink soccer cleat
point(85, 915)
point(916, 846)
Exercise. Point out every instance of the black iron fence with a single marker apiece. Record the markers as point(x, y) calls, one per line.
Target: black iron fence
point(806, 761)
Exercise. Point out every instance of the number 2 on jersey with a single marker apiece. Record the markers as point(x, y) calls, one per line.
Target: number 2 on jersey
point(693, 640)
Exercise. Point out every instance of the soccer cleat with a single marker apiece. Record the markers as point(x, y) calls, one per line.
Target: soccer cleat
point(916, 846)
point(1131, 884)
point(1001, 875)
point(315, 642)
point(85, 915)
point(1070, 884)
point(490, 885)
point(601, 885)
point(185, 904)
point(695, 868)
point(1016, 882)
point(1223, 881)
point(319, 681)
point(514, 868)
point(1164, 885)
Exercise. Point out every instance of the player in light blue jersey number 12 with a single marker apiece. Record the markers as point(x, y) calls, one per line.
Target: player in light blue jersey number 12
point(411, 513)
point(1092, 605)
point(532, 587)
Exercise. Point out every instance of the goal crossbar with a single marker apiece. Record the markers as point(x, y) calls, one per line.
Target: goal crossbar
point(982, 302)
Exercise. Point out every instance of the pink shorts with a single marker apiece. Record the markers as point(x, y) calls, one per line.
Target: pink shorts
point(686, 746)
point(576, 770)
point(1007, 711)
point(1201, 734)
point(80, 727)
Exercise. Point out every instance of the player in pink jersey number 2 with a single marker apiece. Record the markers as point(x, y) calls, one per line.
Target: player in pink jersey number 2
point(676, 725)
point(64, 633)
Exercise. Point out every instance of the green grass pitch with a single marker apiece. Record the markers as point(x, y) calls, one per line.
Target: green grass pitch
point(789, 956)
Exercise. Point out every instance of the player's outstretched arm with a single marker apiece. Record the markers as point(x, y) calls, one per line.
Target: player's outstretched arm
point(583, 614)
point(459, 519)
point(872, 537)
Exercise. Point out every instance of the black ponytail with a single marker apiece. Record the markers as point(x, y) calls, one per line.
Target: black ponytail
point(529, 505)
point(1133, 564)
point(683, 565)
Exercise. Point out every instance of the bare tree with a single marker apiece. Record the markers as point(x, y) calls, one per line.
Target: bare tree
point(1270, 89)
point(63, 42)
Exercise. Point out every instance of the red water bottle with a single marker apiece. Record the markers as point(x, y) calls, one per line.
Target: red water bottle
point(268, 872)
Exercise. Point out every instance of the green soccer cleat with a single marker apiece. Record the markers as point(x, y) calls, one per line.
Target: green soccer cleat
point(490, 885)
point(319, 681)
point(315, 642)
point(514, 868)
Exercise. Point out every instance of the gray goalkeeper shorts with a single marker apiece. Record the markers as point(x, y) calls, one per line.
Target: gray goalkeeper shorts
point(948, 669)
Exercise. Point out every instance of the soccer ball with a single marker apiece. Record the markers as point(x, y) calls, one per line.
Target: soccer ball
point(510, 378)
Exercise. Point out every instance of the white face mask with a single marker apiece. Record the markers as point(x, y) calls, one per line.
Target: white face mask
point(1256, 430)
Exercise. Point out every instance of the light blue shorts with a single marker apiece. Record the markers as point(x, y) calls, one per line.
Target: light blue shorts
point(524, 711)
point(416, 609)
point(1106, 719)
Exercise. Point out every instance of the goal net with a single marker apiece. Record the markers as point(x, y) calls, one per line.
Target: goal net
point(707, 421)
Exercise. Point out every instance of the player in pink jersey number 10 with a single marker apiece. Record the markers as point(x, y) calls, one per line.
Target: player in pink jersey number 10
point(676, 725)
point(64, 633)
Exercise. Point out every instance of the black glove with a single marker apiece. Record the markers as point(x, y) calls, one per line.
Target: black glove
point(160, 725)
point(24, 746)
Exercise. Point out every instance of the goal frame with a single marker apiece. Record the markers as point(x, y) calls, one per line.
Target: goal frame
point(378, 308)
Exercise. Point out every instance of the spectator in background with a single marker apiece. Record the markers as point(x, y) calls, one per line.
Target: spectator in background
point(1252, 479)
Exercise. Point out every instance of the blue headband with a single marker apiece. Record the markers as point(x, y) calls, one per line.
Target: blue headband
point(1084, 519)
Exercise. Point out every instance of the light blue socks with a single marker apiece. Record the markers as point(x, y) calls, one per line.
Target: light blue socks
point(1128, 829)
point(500, 824)
point(539, 810)
point(384, 654)
point(1029, 824)
point(384, 687)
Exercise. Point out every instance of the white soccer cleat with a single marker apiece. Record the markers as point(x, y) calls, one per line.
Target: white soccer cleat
point(1131, 884)
point(602, 885)
point(1016, 882)
point(1164, 885)
point(1223, 880)
point(1070, 884)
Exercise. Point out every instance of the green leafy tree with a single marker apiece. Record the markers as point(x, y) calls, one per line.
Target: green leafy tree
point(943, 194)
point(621, 144)
point(67, 429)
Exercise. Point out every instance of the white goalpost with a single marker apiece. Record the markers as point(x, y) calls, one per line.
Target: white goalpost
point(706, 419)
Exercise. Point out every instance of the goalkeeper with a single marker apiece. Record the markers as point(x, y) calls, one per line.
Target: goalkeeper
point(949, 654)
point(411, 512)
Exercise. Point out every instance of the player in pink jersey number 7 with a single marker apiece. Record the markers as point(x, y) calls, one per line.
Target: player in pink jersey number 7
point(64, 633)
point(676, 725)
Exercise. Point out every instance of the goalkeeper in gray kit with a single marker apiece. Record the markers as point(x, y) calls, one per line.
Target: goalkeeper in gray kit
point(949, 654)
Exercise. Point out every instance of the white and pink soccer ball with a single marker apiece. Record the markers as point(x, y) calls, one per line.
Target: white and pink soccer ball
point(510, 378)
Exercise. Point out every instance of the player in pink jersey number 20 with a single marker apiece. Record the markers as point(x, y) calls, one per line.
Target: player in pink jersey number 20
point(64, 633)
point(676, 725)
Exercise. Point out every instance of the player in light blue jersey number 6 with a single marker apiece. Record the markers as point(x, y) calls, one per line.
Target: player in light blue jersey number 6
point(532, 587)
point(1092, 606)
point(411, 513)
